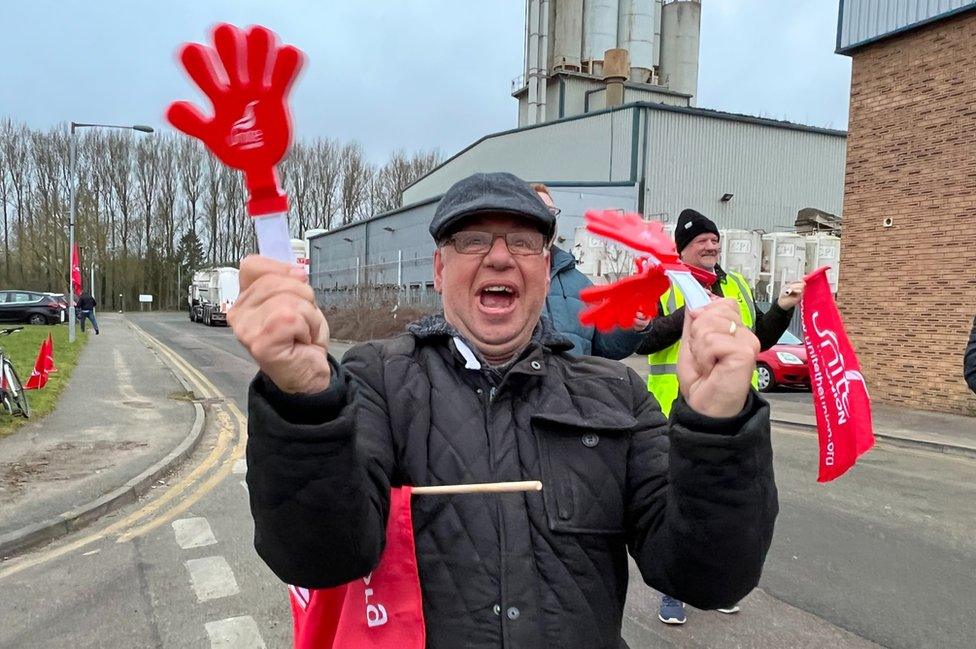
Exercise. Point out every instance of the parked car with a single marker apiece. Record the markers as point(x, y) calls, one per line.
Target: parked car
point(32, 307)
point(785, 363)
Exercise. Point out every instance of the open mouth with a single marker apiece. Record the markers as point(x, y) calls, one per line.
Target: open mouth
point(498, 297)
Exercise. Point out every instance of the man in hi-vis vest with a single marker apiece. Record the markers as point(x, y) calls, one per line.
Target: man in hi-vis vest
point(697, 241)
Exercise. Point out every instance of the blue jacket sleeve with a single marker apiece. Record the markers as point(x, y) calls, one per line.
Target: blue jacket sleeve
point(969, 360)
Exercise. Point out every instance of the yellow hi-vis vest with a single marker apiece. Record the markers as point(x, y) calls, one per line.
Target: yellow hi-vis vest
point(662, 381)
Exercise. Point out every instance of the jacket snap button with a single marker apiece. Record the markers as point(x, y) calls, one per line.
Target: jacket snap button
point(496, 609)
point(513, 613)
point(590, 440)
point(536, 365)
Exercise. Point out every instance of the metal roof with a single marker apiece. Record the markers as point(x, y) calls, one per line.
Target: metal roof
point(860, 22)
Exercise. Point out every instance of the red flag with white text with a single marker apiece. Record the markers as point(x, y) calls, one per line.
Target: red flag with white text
point(383, 610)
point(840, 396)
point(49, 355)
point(75, 271)
point(38, 378)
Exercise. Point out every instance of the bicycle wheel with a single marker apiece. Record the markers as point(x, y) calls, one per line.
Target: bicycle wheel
point(16, 390)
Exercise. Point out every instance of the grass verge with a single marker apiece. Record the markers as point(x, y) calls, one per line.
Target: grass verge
point(22, 348)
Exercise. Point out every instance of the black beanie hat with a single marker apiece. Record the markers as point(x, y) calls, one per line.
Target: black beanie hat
point(690, 225)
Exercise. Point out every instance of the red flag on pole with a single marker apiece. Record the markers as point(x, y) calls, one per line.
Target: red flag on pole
point(383, 610)
point(75, 271)
point(38, 378)
point(49, 355)
point(840, 396)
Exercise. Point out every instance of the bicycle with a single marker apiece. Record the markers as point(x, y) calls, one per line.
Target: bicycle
point(12, 393)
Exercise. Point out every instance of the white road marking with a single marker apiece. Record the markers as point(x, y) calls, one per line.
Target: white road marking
point(212, 578)
point(240, 466)
point(193, 533)
point(235, 633)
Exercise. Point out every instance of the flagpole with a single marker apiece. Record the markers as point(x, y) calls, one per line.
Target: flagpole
point(478, 488)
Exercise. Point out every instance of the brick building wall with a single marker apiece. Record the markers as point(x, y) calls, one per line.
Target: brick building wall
point(908, 292)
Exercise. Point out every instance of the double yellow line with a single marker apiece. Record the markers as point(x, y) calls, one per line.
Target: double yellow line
point(216, 466)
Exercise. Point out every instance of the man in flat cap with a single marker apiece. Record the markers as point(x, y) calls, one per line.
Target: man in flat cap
point(488, 392)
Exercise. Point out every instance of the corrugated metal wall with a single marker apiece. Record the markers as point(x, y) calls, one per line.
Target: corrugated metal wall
point(772, 172)
point(864, 20)
point(592, 149)
point(369, 251)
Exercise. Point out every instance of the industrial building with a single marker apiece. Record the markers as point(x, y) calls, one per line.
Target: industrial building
point(907, 286)
point(607, 120)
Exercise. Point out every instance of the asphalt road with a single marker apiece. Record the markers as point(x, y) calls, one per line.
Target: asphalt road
point(885, 555)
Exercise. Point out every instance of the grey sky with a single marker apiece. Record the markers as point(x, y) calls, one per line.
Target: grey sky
point(412, 74)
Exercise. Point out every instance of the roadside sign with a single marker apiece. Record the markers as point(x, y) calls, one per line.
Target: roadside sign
point(145, 298)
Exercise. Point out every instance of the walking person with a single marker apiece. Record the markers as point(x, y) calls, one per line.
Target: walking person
point(85, 308)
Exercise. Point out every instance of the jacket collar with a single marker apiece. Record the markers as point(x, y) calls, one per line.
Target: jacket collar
point(560, 260)
point(435, 326)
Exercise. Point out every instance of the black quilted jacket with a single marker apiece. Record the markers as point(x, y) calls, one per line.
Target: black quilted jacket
point(694, 501)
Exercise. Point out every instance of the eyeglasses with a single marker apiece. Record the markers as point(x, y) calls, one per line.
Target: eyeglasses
point(472, 242)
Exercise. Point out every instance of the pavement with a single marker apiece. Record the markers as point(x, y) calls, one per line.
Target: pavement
point(124, 420)
point(882, 557)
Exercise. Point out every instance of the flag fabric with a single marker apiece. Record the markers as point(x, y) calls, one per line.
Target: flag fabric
point(840, 396)
point(49, 355)
point(383, 610)
point(75, 271)
point(38, 378)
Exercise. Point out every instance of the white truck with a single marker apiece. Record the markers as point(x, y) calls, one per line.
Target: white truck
point(212, 294)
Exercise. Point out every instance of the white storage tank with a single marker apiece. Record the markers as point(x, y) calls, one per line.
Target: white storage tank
point(588, 249)
point(783, 260)
point(823, 249)
point(741, 251)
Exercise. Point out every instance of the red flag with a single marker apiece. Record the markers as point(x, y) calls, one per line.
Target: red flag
point(840, 397)
point(75, 271)
point(38, 378)
point(49, 355)
point(383, 610)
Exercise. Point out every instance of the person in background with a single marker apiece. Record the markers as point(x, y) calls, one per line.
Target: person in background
point(563, 303)
point(86, 310)
point(697, 240)
point(969, 359)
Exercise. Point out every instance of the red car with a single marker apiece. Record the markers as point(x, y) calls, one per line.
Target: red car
point(785, 363)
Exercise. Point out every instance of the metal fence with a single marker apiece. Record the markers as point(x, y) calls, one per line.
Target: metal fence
point(418, 295)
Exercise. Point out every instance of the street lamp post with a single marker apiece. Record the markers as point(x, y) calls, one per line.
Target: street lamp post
point(72, 163)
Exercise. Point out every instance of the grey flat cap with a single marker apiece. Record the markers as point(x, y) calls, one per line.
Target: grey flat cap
point(482, 193)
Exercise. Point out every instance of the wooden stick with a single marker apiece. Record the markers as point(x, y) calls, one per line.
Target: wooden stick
point(482, 488)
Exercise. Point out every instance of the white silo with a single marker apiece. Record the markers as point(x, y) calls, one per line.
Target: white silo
point(635, 33)
point(823, 249)
point(536, 58)
point(680, 33)
point(599, 33)
point(567, 35)
point(783, 261)
point(741, 251)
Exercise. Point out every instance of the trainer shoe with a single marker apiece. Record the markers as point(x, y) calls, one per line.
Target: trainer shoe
point(672, 611)
point(730, 610)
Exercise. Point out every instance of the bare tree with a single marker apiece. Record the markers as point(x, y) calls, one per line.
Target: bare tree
point(357, 176)
point(189, 159)
point(397, 174)
point(326, 174)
